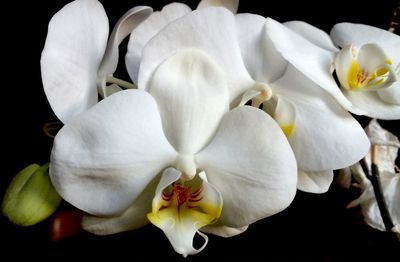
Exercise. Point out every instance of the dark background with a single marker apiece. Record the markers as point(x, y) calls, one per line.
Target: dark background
point(313, 228)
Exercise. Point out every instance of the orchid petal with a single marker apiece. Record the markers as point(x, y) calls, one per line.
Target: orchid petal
point(211, 30)
point(311, 60)
point(262, 60)
point(372, 105)
point(391, 94)
point(312, 34)
point(182, 209)
point(242, 162)
point(132, 218)
point(344, 34)
point(74, 47)
point(104, 159)
point(231, 5)
point(128, 22)
point(146, 30)
point(325, 137)
point(192, 96)
point(223, 231)
point(314, 182)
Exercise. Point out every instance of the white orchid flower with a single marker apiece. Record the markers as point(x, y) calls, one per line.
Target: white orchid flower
point(176, 158)
point(77, 62)
point(323, 136)
point(158, 20)
point(367, 66)
point(387, 150)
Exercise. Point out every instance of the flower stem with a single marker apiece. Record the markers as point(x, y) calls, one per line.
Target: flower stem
point(121, 83)
point(380, 198)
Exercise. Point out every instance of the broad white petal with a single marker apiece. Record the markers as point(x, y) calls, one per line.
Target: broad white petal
point(74, 48)
point(105, 158)
point(128, 22)
point(223, 231)
point(311, 60)
point(231, 5)
point(134, 217)
point(344, 34)
point(211, 30)
point(372, 105)
point(314, 182)
point(180, 208)
point(146, 30)
point(260, 56)
point(312, 34)
point(191, 93)
point(325, 136)
point(251, 163)
point(391, 94)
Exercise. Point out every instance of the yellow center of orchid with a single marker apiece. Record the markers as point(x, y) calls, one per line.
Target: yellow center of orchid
point(362, 79)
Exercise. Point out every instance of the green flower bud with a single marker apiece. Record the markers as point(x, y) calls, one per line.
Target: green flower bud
point(30, 197)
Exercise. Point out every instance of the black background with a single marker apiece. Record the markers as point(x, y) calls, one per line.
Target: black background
point(313, 228)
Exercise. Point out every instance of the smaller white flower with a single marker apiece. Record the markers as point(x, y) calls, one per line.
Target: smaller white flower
point(387, 149)
point(367, 65)
point(77, 61)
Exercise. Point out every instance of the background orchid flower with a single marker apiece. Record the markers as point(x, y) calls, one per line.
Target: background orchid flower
point(76, 60)
point(387, 150)
point(323, 136)
point(367, 65)
point(158, 20)
point(176, 155)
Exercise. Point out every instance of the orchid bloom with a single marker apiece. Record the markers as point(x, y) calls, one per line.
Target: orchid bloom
point(77, 61)
point(322, 135)
point(144, 32)
point(367, 65)
point(175, 156)
point(387, 149)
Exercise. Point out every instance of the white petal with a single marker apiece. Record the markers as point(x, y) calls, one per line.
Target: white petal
point(128, 22)
point(391, 94)
point(146, 30)
point(210, 29)
point(231, 5)
point(325, 136)
point(344, 34)
point(104, 159)
point(251, 163)
point(312, 34)
point(262, 60)
point(223, 231)
point(181, 220)
point(372, 105)
point(134, 217)
point(74, 48)
point(285, 115)
point(314, 182)
point(313, 61)
point(192, 96)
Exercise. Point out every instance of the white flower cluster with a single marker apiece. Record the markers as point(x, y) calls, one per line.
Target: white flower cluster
point(230, 114)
